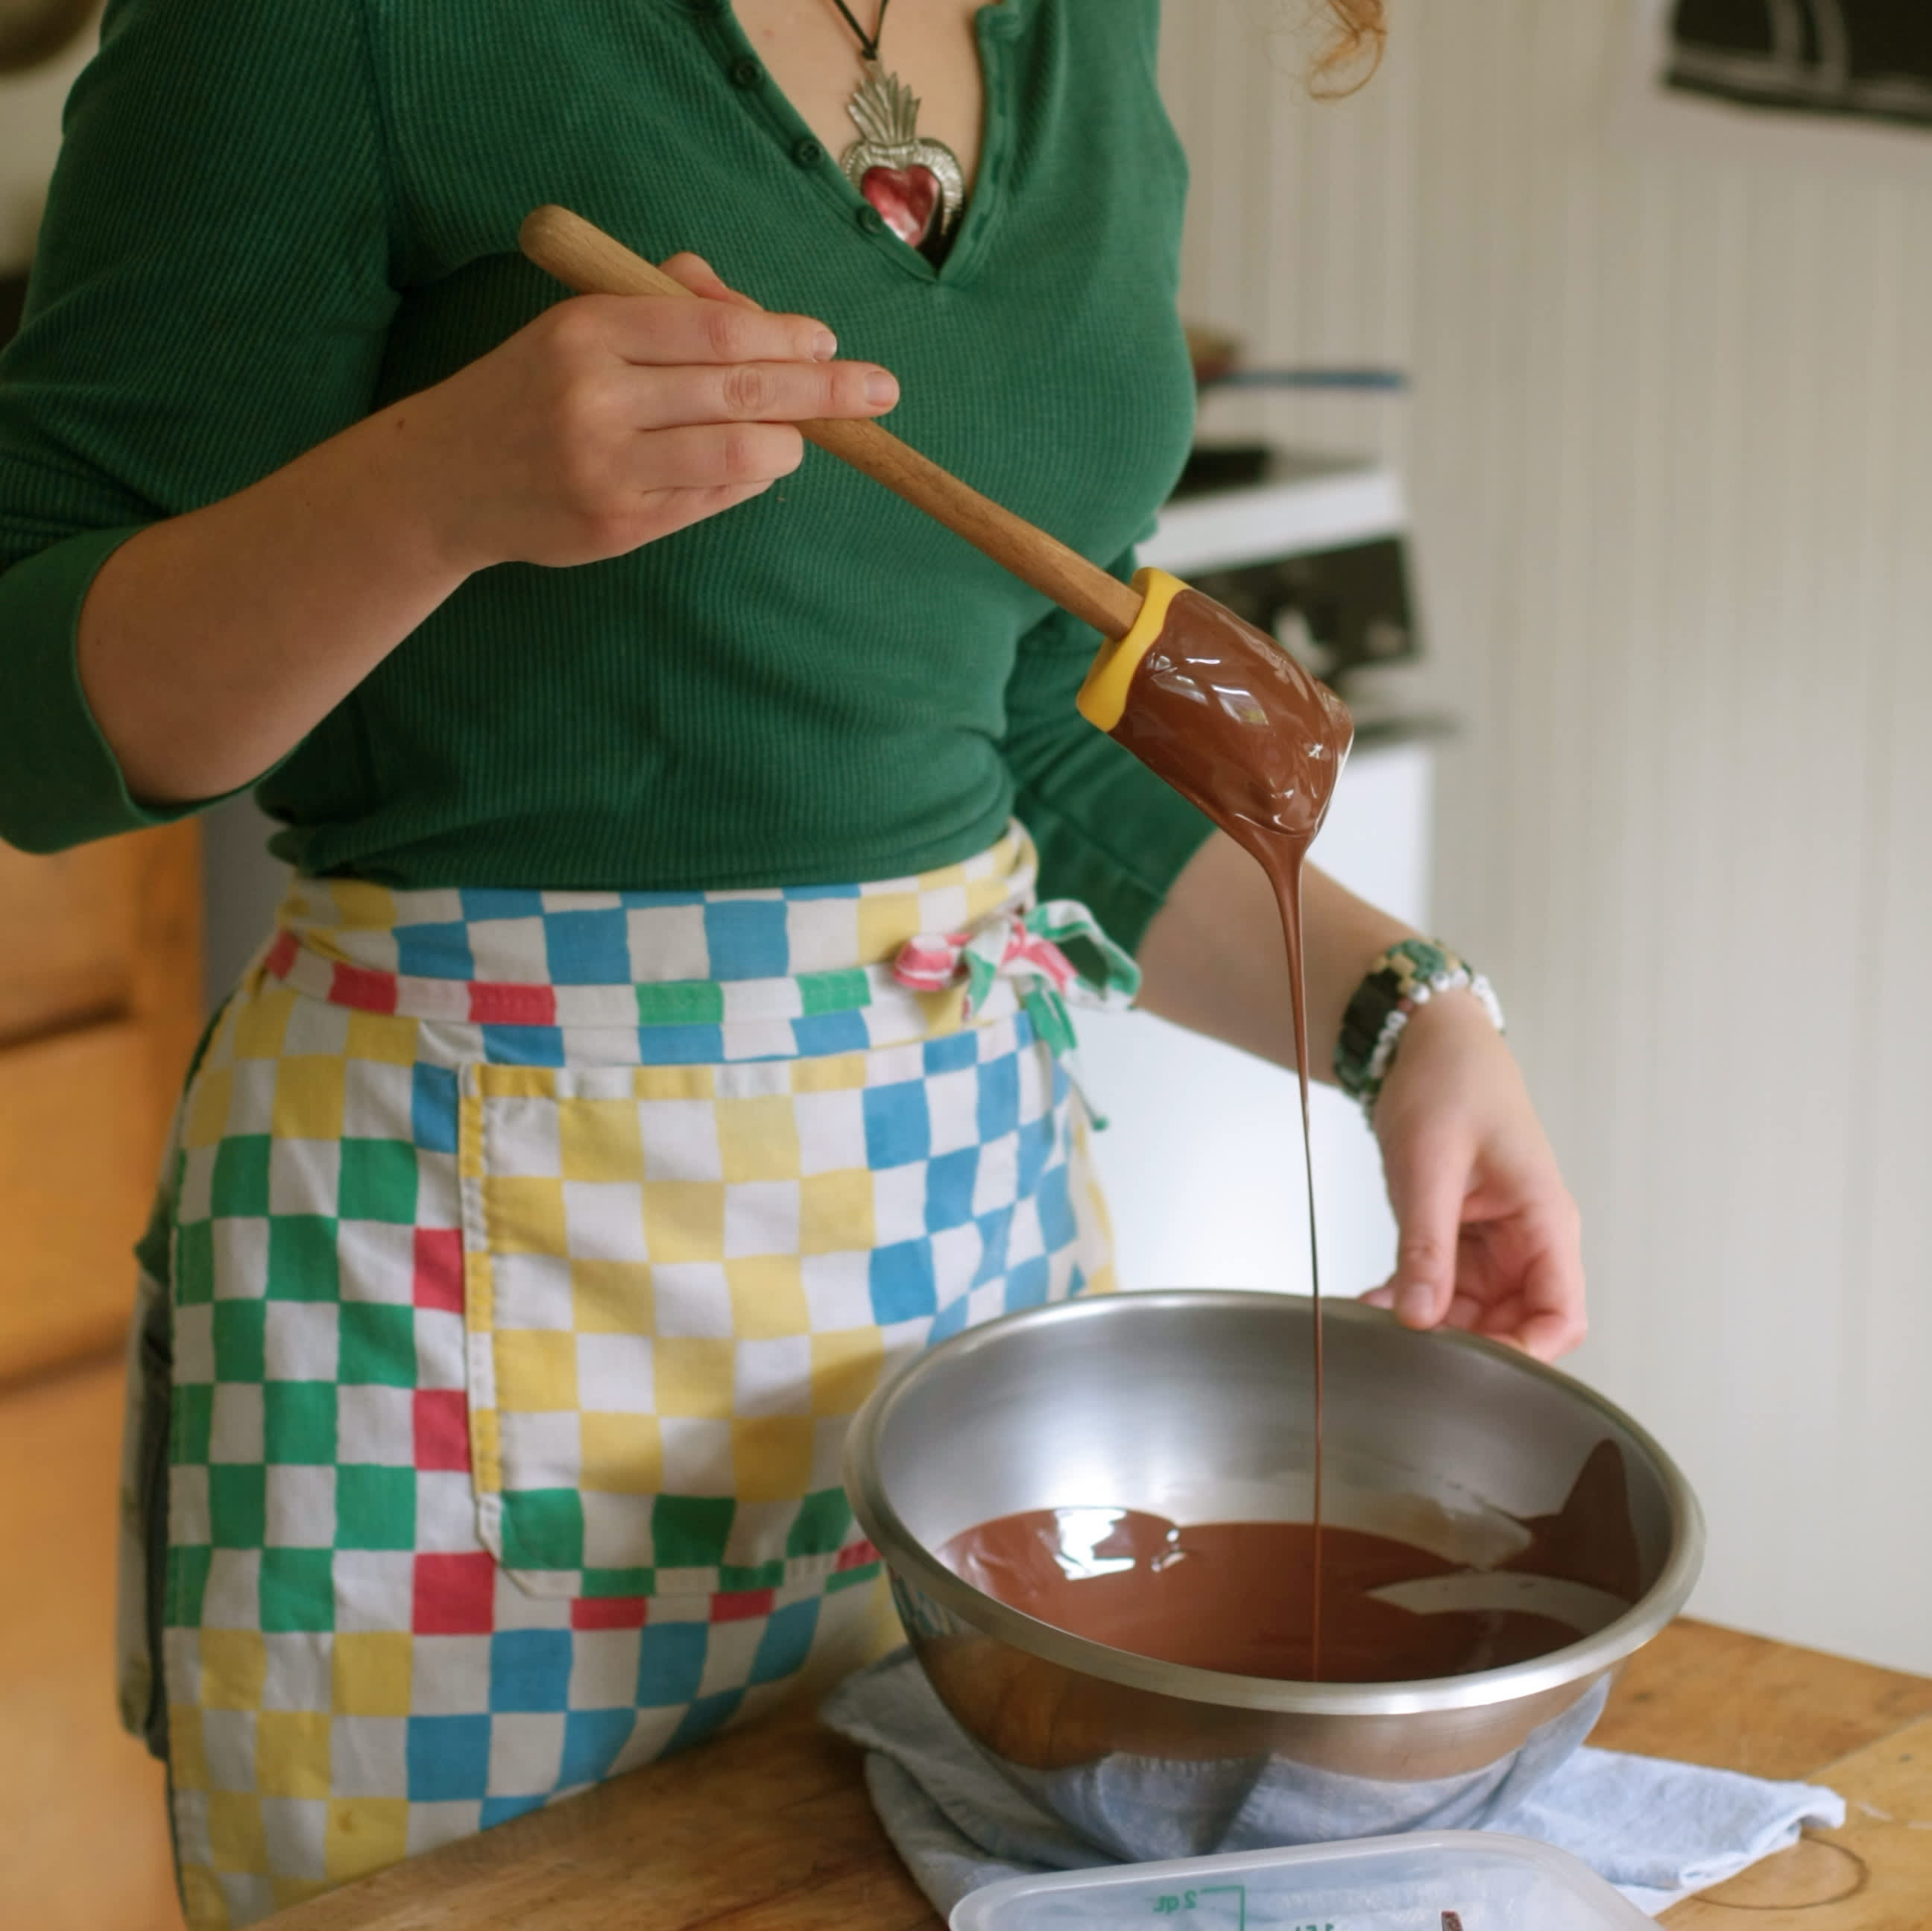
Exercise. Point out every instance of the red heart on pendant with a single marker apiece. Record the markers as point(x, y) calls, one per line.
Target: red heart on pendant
point(907, 197)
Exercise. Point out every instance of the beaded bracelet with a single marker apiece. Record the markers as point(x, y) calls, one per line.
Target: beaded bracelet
point(1409, 974)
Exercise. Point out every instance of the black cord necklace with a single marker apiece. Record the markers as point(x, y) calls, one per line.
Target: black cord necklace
point(915, 183)
point(868, 44)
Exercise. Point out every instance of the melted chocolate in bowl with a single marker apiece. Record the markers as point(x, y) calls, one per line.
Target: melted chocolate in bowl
point(1239, 1596)
point(1236, 1597)
point(1230, 720)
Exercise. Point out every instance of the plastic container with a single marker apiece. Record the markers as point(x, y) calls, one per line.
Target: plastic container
point(1427, 1881)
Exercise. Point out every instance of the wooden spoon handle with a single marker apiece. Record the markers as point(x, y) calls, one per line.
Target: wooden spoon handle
point(584, 258)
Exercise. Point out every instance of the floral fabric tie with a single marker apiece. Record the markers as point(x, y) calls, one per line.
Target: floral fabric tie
point(1027, 947)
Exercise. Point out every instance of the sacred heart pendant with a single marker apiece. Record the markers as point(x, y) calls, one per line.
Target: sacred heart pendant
point(907, 197)
point(917, 184)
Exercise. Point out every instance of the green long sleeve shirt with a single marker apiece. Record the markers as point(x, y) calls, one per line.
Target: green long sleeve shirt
point(270, 217)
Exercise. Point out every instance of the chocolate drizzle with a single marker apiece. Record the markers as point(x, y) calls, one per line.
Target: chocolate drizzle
point(1227, 718)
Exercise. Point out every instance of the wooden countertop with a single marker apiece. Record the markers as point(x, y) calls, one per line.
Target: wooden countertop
point(769, 1827)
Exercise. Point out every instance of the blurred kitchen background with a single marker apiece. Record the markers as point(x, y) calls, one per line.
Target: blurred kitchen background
point(1669, 450)
point(1661, 475)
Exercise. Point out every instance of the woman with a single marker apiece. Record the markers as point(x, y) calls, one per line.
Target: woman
point(563, 1176)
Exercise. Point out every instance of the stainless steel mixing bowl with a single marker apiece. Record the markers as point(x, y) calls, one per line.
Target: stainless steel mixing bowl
point(1197, 1406)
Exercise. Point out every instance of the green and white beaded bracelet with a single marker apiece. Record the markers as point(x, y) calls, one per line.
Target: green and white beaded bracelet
point(1409, 974)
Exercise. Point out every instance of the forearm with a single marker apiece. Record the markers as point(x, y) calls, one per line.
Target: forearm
point(211, 644)
point(1215, 961)
point(1489, 1234)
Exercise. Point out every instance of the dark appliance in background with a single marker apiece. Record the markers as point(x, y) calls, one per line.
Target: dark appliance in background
point(12, 299)
point(1870, 59)
point(1312, 549)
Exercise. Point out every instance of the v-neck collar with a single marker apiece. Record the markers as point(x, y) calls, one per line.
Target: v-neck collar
point(996, 28)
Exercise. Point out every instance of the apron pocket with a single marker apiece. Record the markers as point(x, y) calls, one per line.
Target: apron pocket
point(668, 1286)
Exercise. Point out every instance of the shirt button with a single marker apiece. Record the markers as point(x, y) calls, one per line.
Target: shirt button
point(871, 220)
point(747, 74)
point(808, 153)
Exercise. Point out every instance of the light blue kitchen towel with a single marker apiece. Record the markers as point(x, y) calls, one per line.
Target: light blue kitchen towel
point(1657, 1830)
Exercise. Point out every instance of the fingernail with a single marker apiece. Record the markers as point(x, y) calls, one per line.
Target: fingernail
point(1415, 1304)
point(824, 346)
point(880, 388)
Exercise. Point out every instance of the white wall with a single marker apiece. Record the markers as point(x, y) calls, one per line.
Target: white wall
point(1670, 447)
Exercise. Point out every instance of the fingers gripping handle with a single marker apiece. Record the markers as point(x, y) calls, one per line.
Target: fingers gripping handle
point(584, 258)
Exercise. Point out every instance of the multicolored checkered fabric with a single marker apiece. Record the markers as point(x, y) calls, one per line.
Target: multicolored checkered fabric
point(701, 977)
point(684, 1281)
point(514, 1343)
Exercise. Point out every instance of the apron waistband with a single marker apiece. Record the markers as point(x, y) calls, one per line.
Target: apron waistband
point(713, 976)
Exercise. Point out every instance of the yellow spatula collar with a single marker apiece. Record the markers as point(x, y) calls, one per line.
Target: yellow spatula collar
point(1103, 697)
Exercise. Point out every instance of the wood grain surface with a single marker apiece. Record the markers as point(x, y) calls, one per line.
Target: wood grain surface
point(66, 926)
point(1874, 1874)
point(78, 1154)
point(1717, 1697)
point(83, 1826)
point(770, 1828)
point(99, 1009)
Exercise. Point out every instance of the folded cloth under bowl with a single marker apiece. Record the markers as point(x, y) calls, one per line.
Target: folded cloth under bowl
point(1657, 1830)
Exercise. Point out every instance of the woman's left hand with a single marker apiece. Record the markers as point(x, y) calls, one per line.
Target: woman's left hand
point(1488, 1234)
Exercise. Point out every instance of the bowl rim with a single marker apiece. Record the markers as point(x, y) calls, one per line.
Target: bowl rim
point(1575, 1662)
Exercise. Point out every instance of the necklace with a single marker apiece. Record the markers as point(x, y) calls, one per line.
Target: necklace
point(916, 183)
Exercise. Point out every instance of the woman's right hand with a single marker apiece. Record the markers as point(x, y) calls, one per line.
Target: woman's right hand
point(210, 643)
point(610, 420)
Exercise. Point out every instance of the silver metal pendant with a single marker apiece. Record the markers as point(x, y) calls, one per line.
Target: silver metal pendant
point(916, 183)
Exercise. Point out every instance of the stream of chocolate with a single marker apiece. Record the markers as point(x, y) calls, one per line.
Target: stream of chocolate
point(1227, 718)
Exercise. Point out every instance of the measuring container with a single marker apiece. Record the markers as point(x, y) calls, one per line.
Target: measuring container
point(1425, 1881)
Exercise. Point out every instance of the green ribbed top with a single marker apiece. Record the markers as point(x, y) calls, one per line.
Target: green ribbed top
point(272, 216)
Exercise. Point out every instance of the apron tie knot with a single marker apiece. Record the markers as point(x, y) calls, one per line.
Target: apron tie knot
point(1029, 949)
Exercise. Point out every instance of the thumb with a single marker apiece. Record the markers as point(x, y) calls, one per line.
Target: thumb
point(1426, 1185)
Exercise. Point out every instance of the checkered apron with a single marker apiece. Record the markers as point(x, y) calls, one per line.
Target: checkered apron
point(527, 1254)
